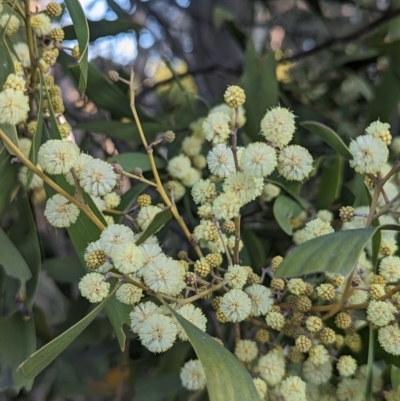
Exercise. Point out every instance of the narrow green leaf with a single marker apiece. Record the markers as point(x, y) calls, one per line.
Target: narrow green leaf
point(395, 377)
point(82, 34)
point(370, 364)
point(17, 342)
point(45, 355)
point(67, 269)
point(256, 247)
point(302, 202)
point(159, 221)
point(8, 174)
point(284, 210)
point(329, 136)
point(227, 379)
point(99, 29)
point(341, 251)
point(157, 388)
point(130, 160)
point(331, 182)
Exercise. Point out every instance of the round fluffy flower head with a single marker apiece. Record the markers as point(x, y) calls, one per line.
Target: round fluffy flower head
point(380, 130)
point(369, 154)
point(275, 320)
point(318, 354)
point(204, 191)
point(389, 339)
point(157, 333)
point(10, 23)
point(93, 287)
point(191, 177)
point(15, 82)
point(23, 176)
point(191, 145)
point(22, 52)
point(234, 96)
point(220, 161)
point(389, 269)
point(278, 126)
point(165, 275)
point(235, 305)
point(317, 374)
point(272, 367)
point(177, 188)
point(112, 200)
point(246, 350)
point(193, 376)
point(96, 258)
point(129, 294)
point(193, 315)
point(178, 166)
point(60, 212)
point(127, 258)
point(325, 215)
point(79, 164)
point(25, 145)
point(57, 156)
point(270, 191)
point(258, 159)
point(236, 276)
point(14, 107)
point(293, 389)
point(41, 24)
point(113, 235)
point(346, 366)
point(98, 177)
point(226, 206)
point(351, 390)
point(140, 313)
point(295, 163)
point(206, 230)
point(261, 299)
point(146, 216)
point(244, 186)
point(380, 313)
point(297, 286)
point(216, 127)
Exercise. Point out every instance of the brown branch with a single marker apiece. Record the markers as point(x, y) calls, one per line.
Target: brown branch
point(387, 16)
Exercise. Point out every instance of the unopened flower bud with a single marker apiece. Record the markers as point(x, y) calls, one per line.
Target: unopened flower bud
point(113, 75)
point(234, 96)
point(346, 213)
point(169, 136)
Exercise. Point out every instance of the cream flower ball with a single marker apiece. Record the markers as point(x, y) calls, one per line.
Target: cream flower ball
point(295, 163)
point(258, 159)
point(14, 107)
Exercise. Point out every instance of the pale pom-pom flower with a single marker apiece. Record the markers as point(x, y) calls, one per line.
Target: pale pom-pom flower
point(127, 258)
point(261, 387)
point(272, 367)
point(96, 258)
point(113, 235)
point(235, 305)
point(193, 376)
point(216, 128)
point(236, 276)
point(16, 82)
point(57, 156)
point(23, 176)
point(295, 163)
point(146, 216)
point(380, 130)
point(261, 299)
point(60, 212)
point(325, 215)
point(389, 269)
point(99, 202)
point(318, 227)
point(246, 350)
point(220, 161)
point(41, 24)
point(346, 366)
point(112, 200)
point(157, 333)
point(317, 374)
point(98, 177)
point(25, 145)
point(293, 389)
point(389, 339)
point(351, 390)
point(270, 191)
point(140, 313)
point(193, 315)
point(164, 274)
point(369, 154)
point(79, 164)
point(258, 159)
point(93, 287)
point(226, 206)
point(191, 145)
point(380, 313)
point(191, 177)
point(150, 251)
point(10, 23)
point(318, 354)
point(244, 186)
point(278, 126)
point(22, 51)
point(129, 294)
point(230, 112)
point(204, 191)
point(14, 107)
point(178, 166)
